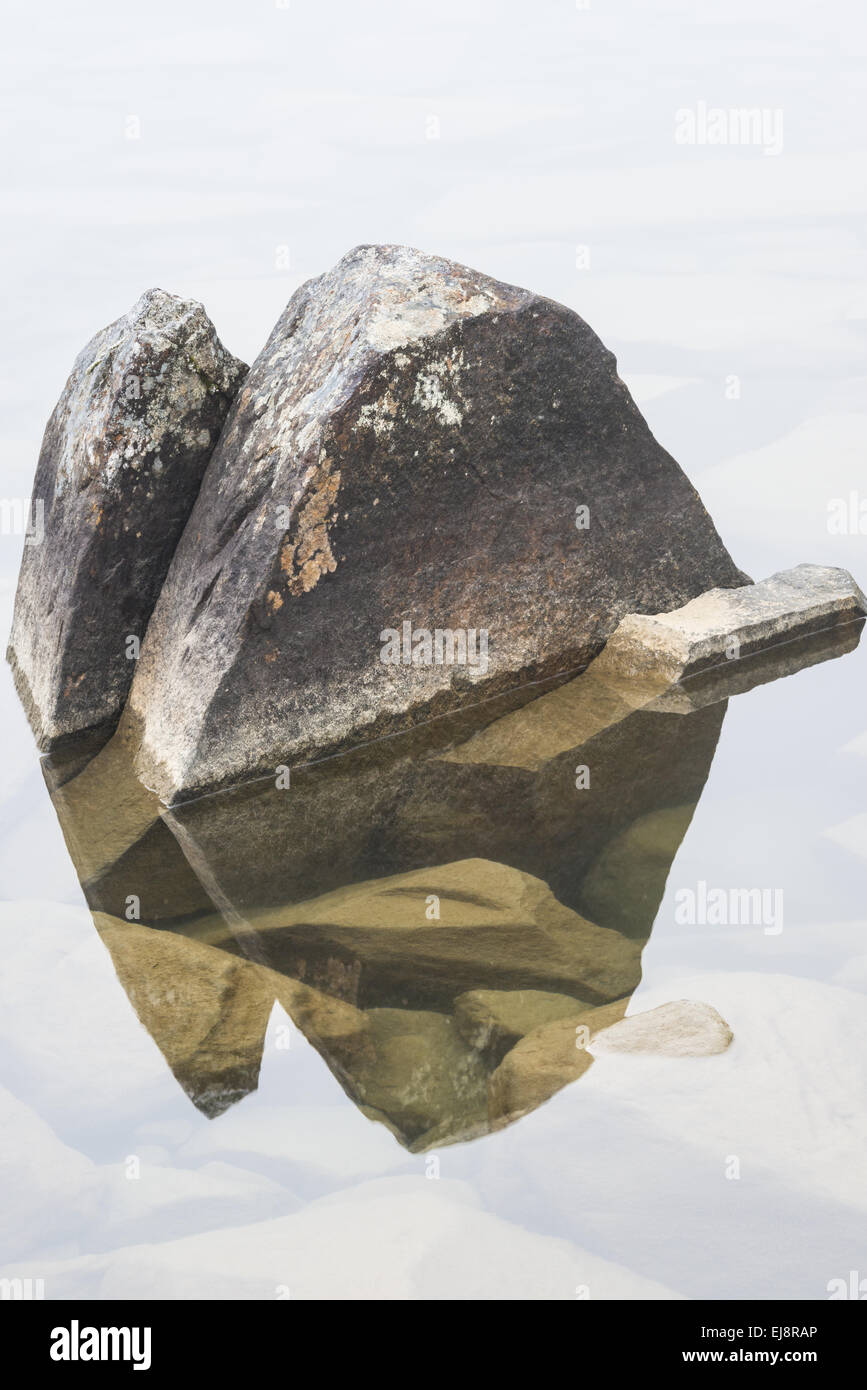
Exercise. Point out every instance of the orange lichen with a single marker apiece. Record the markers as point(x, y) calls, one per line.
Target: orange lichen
point(306, 555)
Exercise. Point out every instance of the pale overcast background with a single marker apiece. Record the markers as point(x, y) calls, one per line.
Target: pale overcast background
point(307, 126)
point(195, 146)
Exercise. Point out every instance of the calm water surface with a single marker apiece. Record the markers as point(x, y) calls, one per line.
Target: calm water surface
point(170, 1131)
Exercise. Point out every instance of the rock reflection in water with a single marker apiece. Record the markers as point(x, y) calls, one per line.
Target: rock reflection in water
point(449, 916)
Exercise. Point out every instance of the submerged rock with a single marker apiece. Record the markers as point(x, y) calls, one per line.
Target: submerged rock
point(726, 624)
point(420, 1073)
point(207, 1011)
point(118, 842)
point(684, 1028)
point(431, 483)
point(545, 1061)
point(417, 940)
point(121, 463)
point(399, 805)
point(493, 1020)
point(623, 888)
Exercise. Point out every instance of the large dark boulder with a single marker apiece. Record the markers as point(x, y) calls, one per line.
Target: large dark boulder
point(121, 463)
point(412, 447)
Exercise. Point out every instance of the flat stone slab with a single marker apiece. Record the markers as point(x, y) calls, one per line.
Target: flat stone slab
point(723, 625)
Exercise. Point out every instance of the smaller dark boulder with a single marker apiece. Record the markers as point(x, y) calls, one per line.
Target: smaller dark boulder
point(120, 467)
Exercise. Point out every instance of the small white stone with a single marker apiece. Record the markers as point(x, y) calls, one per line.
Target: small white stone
point(684, 1028)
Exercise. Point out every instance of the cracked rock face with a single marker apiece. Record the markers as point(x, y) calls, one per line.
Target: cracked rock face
point(121, 463)
point(431, 487)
